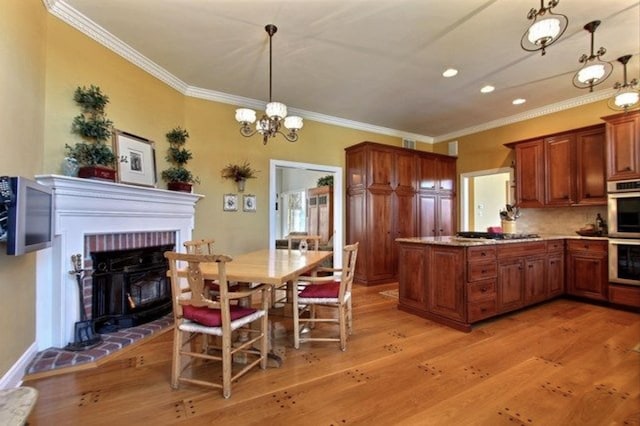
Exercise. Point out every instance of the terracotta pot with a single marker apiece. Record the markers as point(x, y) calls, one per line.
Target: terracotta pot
point(97, 172)
point(179, 186)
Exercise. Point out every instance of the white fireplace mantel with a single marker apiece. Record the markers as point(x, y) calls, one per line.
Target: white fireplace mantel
point(88, 207)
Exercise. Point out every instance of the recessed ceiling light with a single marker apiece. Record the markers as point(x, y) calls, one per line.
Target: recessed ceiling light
point(487, 89)
point(450, 72)
point(519, 101)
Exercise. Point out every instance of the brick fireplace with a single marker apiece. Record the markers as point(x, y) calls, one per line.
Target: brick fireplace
point(97, 216)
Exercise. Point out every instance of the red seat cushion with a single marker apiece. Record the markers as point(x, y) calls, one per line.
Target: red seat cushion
point(213, 317)
point(326, 290)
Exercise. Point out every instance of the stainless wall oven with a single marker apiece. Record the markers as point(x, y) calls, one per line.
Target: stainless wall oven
point(623, 211)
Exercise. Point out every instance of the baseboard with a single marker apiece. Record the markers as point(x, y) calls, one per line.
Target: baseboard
point(13, 377)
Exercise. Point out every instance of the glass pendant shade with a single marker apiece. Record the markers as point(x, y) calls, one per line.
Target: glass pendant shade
point(245, 115)
point(542, 32)
point(276, 109)
point(591, 74)
point(293, 122)
point(627, 98)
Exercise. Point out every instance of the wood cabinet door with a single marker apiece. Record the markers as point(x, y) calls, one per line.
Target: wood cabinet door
point(623, 146)
point(591, 170)
point(535, 279)
point(510, 284)
point(427, 173)
point(356, 169)
point(380, 241)
point(530, 174)
point(446, 282)
point(446, 215)
point(357, 230)
point(312, 215)
point(446, 174)
point(380, 170)
point(427, 215)
point(325, 217)
point(404, 172)
point(555, 274)
point(587, 275)
point(559, 170)
point(412, 273)
point(405, 220)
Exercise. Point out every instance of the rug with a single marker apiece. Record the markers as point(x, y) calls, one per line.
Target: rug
point(393, 294)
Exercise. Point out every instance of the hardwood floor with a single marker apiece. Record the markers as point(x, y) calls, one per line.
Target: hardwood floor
point(560, 363)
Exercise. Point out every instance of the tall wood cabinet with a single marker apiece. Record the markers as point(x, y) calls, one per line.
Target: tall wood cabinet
point(392, 193)
point(320, 212)
point(623, 146)
point(563, 169)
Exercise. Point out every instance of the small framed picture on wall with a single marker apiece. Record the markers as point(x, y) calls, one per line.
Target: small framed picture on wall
point(230, 202)
point(249, 203)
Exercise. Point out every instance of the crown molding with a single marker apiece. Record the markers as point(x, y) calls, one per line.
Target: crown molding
point(68, 14)
point(527, 115)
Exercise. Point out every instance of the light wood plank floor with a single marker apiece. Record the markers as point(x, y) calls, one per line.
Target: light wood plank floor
point(560, 363)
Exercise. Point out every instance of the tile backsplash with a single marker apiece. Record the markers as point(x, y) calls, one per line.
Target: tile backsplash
point(558, 220)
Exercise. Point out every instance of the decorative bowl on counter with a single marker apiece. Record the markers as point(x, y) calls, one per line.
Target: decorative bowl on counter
point(589, 233)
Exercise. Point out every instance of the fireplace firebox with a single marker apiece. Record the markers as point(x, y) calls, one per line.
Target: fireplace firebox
point(130, 287)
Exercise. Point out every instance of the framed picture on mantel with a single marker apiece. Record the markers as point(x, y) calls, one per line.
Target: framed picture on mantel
point(136, 159)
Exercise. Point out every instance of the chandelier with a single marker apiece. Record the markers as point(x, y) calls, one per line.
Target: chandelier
point(275, 115)
point(594, 70)
point(627, 96)
point(546, 29)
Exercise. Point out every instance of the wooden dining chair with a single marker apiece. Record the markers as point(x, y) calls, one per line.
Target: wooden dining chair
point(205, 246)
point(198, 316)
point(329, 292)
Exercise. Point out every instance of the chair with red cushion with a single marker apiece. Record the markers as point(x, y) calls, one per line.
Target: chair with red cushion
point(328, 292)
point(196, 315)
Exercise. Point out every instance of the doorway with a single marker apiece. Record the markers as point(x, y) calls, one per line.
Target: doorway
point(483, 194)
point(282, 194)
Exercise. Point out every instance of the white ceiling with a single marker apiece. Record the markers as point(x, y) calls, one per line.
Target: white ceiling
point(366, 62)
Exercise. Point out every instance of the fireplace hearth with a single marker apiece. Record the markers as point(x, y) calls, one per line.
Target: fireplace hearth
point(130, 287)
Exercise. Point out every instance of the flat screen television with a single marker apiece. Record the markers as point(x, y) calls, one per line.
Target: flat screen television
point(28, 211)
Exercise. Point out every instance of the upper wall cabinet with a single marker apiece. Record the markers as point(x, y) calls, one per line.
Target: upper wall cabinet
point(563, 169)
point(623, 146)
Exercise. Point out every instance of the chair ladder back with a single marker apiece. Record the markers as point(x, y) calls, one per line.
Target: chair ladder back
point(349, 254)
point(203, 246)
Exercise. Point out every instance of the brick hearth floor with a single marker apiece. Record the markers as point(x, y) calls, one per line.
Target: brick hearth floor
point(55, 358)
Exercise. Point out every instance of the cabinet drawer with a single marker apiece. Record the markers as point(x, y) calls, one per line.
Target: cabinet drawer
point(624, 295)
point(522, 249)
point(481, 291)
point(555, 245)
point(587, 245)
point(477, 311)
point(481, 253)
point(481, 270)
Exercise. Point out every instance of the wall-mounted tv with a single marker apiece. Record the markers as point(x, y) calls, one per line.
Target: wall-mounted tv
point(26, 215)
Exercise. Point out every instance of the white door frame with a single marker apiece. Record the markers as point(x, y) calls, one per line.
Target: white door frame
point(337, 202)
point(464, 191)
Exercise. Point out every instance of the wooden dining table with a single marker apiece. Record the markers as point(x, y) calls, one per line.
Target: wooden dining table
point(274, 267)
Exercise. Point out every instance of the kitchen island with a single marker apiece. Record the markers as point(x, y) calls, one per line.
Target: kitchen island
point(460, 281)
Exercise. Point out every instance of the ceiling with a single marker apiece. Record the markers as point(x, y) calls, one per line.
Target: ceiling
point(371, 64)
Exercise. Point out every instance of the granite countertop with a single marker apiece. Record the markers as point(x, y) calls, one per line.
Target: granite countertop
point(471, 242)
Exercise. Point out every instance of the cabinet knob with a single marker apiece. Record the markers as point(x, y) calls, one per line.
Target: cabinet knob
point(484, 271)
point(483, 290)
point(627, 169)
point(483, 254)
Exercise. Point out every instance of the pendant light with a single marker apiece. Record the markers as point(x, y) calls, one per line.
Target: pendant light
point(594, 70)
point(546, 29)
point(627, 96)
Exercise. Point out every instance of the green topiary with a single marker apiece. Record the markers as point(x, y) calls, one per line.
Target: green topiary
point(178, 156)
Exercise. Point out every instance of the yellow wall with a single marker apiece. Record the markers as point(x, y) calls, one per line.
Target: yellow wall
point(22, 61)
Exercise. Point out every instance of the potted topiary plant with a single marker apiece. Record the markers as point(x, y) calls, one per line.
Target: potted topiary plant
point(325, 181)
point(239, 173)
point(178, 178)
point(93, 155)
